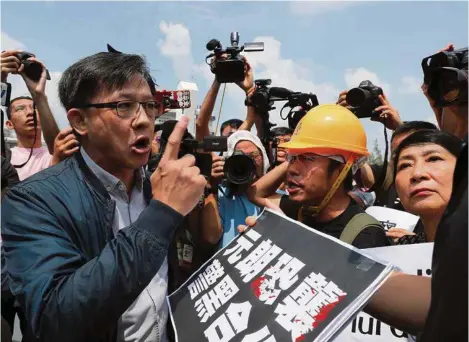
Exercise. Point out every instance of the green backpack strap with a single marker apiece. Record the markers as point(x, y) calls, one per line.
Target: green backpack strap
point(356, 225)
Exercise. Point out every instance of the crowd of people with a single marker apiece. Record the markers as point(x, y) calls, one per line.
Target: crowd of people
point(99, 226)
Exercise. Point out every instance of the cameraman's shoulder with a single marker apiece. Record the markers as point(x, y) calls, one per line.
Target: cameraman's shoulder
point(54, 179)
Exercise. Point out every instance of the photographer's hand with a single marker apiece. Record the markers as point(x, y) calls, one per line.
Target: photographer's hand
point(10, 63)
point(341, 101)
point(389, 116)
point(217, 168)
point(248, 82)
point(65, 145)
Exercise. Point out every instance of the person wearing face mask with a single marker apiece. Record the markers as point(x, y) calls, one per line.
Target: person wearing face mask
point(424, 167)
point(328, 145)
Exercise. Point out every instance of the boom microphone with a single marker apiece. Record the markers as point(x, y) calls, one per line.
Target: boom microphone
point(212, 44)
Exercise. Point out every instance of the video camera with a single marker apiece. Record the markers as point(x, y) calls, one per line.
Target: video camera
point(190, 146)
point(32, 69)
point(364, 99)
point(445, 74)
point(264, 98)
point(231, 69)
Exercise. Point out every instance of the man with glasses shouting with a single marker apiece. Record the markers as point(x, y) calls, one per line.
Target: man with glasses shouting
point(325, 150)
point(86, 240)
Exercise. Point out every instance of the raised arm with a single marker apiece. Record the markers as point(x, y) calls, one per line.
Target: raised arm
point(37, 89)
point(402, 302)
point(267, 185)
point(202, 124)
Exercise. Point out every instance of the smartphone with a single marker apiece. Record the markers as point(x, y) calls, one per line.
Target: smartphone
point(174, 99)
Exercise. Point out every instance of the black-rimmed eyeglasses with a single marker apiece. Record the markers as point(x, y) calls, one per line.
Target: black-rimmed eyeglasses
point(127, 109)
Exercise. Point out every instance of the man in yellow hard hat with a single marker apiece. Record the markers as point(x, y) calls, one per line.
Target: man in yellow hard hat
point(326, 148)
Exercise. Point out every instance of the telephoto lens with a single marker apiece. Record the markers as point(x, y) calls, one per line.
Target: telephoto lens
point(239, 168)
point(356, 97)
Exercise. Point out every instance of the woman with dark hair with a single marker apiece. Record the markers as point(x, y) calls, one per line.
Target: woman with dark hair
point(424, 166)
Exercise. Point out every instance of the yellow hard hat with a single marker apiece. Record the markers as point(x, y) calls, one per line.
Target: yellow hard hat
point(327, 128)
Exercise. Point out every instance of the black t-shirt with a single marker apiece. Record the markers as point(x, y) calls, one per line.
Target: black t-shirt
point(368, 238)
point(447, 319)
point(388, 198)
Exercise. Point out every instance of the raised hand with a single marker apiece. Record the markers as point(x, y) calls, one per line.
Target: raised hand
point(178, 182)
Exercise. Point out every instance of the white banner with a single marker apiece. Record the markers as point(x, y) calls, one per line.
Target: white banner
point(392, 218)
point(411, 259)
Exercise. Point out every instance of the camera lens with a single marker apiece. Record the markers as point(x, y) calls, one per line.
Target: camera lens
point(446, 85)
point(239, 169)
point(357, 96)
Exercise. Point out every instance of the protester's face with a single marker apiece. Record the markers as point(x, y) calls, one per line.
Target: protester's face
point(424, 179)
point(228, 130)
point(121, 141)
point(250, 149)
point(281, 152)
point(22, 118)
point(308, 179)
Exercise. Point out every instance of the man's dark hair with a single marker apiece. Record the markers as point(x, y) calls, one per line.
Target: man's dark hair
point(16, 99)
point(279, 131)
point(348, 180)
point(411, 126)
point(233, 123)
point(82, 80)
point(430, 136)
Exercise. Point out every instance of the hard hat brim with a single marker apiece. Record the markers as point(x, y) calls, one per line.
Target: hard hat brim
point(308, 147)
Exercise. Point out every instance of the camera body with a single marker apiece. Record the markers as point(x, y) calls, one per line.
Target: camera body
point(32, 69)
point(298, 102)
point(203, 160)
point(190, 146)
point(364, 99)
point(445, 74)
point(261, 99)
point(231, 68)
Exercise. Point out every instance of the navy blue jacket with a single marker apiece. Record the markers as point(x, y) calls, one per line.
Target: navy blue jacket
point(71, 275)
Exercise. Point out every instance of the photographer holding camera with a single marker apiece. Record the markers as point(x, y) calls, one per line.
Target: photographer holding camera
point(30, 116)
point(447, 70)
point(86, 241)
point(244, 162)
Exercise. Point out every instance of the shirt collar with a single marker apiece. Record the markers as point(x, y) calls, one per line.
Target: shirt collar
point(111, 182)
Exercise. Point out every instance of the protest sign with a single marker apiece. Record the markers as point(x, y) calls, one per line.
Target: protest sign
point(392, 218)
point(279, 281)
point(411, 259)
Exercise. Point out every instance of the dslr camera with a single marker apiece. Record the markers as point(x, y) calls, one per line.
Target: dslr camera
point(203, 160)
point(32, 69)
point(445, 74)
point(239, 168)
point(364, 99)
point(190, 146)
point(231, 69)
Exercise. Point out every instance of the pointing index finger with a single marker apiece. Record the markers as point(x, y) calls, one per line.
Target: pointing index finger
point(174, 140)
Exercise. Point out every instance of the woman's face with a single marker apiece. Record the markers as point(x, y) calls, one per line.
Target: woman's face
point(424, 179)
